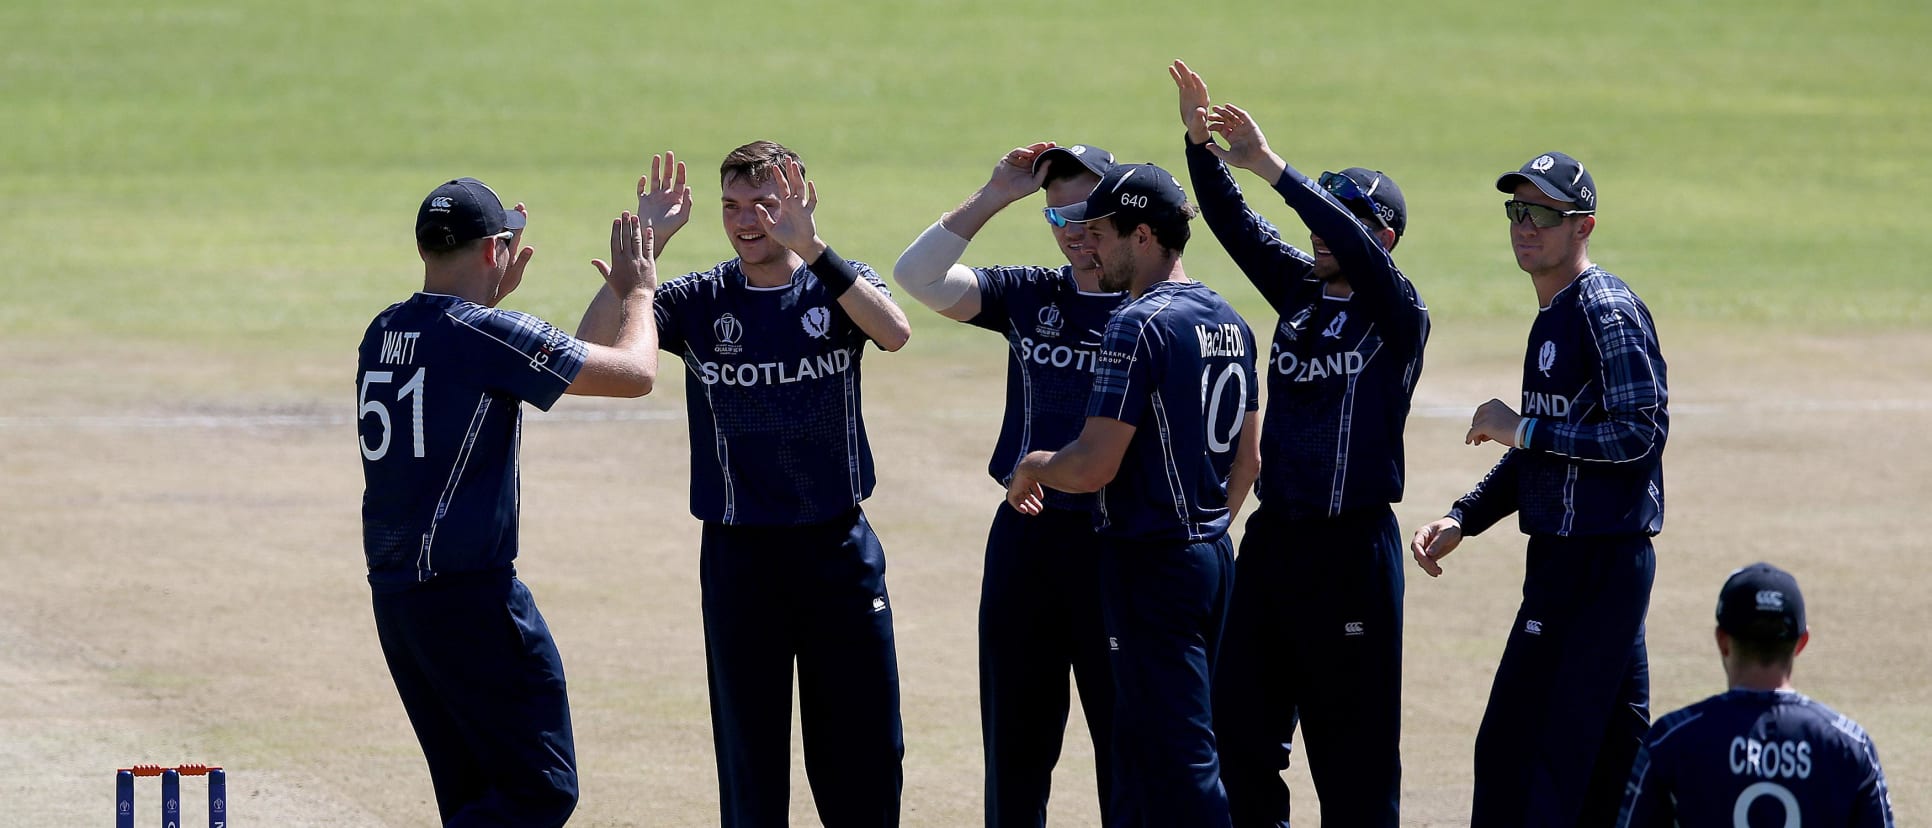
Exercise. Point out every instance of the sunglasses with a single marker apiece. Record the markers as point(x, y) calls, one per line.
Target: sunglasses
point(1538, 214)
point(1352, 196)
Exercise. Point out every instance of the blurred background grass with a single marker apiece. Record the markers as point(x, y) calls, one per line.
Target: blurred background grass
point(244, 174)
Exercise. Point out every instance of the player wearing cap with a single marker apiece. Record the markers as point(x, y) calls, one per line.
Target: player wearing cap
point(1039, 609)
point(1315, 631)
point(790, 568)
point(1171, 443)
point(1761, 754)
point(440, 382)
point(1584, 473)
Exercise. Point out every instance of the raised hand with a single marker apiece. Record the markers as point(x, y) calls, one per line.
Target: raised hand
point(1014, 177)
point(793, 226)
point(1194, 101)
point(633, 262)
point(663, 199)
point(1247, 147)
point(513, 275)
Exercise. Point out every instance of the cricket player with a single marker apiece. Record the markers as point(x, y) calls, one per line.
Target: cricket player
point(1171, 443)
point(440, 382)
point(1039, 605)
point(791, 570)
point(1315, 631)
point(1584, 473)
point(1761, 754)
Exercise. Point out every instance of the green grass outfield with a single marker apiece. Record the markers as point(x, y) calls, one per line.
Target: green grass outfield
point(244, 174)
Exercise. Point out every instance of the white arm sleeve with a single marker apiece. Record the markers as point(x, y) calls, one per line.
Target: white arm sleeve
point(930, 269)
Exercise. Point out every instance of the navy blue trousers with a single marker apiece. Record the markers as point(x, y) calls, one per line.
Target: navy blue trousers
point(1039, 615)
point(1164, 605)
point(484, 688)
point(816, 595)
point(1315, 634)
point(1571, 700)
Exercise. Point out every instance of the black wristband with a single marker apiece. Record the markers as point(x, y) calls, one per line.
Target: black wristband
point(835, 273)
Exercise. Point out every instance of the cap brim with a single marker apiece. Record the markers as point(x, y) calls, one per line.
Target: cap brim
point(513, 220)
point(1507, 184)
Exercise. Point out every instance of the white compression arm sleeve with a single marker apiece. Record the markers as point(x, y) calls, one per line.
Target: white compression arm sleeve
point(930, 269)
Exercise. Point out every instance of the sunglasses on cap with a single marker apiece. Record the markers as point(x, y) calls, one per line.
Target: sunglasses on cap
point(1538, 214)
point(1054, 218)
point(1352, 196)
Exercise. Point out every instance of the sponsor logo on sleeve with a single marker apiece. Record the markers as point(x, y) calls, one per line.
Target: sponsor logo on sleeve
point(1532, 626)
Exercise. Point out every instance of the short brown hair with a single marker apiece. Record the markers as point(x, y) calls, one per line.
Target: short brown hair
point(757, 162)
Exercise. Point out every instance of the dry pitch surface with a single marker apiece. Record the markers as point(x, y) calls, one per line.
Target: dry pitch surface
point(183, 579)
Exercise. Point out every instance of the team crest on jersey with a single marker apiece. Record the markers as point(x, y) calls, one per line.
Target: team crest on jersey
point(1546, 357)
point(1334, 329)
point(1050, 321)
point(728, 330)
point(817, 322)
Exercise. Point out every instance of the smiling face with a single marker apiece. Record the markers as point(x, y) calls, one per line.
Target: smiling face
point(741, 225)
point(1073, 238)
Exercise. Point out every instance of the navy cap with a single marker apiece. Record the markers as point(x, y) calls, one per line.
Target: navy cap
point(1761, 602)
point(1559, 176)
point(1136, 192)
point(460, 211)
point(1097, 161)
point(1383, 195)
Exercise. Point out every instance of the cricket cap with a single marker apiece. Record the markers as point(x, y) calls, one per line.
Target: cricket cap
point(1097, 161)
point(1137, 193)
point(460, 211)
point(1559, 176)
point(1761, 603)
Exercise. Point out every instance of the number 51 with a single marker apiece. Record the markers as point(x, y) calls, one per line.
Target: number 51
point(412, 389)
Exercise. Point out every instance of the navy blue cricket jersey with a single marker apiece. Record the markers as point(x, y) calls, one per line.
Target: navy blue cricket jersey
point(1342, 370)
point(1592, 458)
point(772, 390)
point(1053, 331)
point(1757, 758)
point(439, 380)
point(1177, 363)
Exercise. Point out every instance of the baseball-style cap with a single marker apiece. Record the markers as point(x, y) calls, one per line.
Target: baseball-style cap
point(1136, 192)
point(462, 210)
point(1384, 197)
point(1096, 160)
point(1559, 176)
point(1761, 602)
